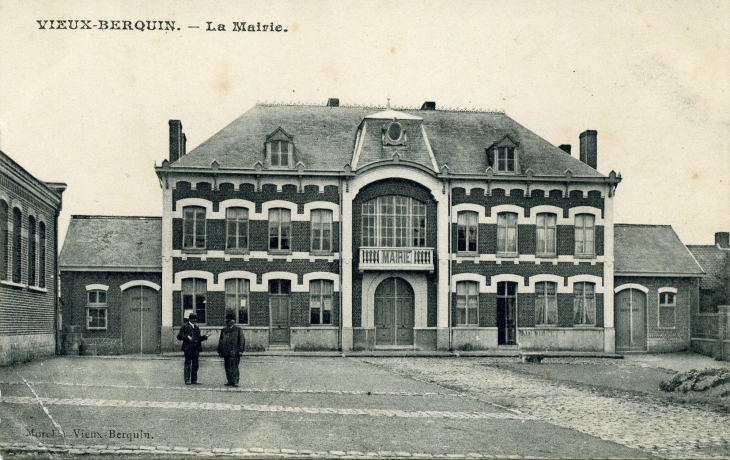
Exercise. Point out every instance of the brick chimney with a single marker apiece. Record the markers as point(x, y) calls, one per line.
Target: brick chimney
point(178, 141)
point(589, 148)
point(429, 105)
point(333, 102)
point(722, 239)
point(565, 148)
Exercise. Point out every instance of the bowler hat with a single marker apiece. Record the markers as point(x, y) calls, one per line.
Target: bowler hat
point(193, 316)
point(231, 317)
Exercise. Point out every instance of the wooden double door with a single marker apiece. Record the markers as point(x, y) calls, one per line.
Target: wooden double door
point(630, 307)
point(140, 320)
point(394, 313)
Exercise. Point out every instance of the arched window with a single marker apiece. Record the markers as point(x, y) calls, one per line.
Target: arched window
point(4, 243)
point(394, 221)
point(321, 237)
point(507, 233)
point(467, 231)
point(546, 239)
point(31, 251)
point(96, 310)
point(236, 229)
point(584, 304)
point(194, 292)
point(280, 230)
point(320, 301)
point(17, 243)
point(193, 227)
point(585, 235)
point(237, 302)
point(546, 304)
point(42, 255)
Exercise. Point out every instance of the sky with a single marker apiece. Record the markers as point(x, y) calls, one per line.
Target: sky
point(90, 107)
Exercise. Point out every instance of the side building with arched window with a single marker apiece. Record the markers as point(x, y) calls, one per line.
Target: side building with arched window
point(29, 210)
point(355, 228)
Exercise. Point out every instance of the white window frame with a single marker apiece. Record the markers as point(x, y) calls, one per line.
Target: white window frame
point(545, 229)
point(321, 230)
point(502, 158)
point(195, 230)
point(546, 303)
point(237, 292)
point(281, 223)
point(582, 229)
point(96, 305)
point(236, 223)
point(276, 153)
point(318, 300)
point(194, 294)
point(467, 295)
point(467, 220)
point(580, 300)
point(391, 229)
point(673, 295)
point(503, 227)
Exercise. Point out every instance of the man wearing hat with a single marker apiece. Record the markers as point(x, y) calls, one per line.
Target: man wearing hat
point(191, 346)
point(230, 347)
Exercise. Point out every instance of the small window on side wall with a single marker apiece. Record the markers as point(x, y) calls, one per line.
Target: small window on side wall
point(667, 310)
point(96, 310)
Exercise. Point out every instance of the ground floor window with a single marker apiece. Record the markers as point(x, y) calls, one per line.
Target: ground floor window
point(546, 304)
point(584, 304)
point(194, 291)
point(320, 301)
point(96, 318)
point(667, 309)
point(467, 303)
point(237, 299)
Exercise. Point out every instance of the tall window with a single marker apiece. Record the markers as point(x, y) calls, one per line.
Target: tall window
point(584, 235)
point(507, 233)
point(320, 301)
point(4, 242)
point(667, 309)
point(96, 310)
point(237, 298)
point(194, 291)
point(584, 304)
point(467, 303)
point(321, 230)
point(466, 231)
point(279, 230)
point(506, 313)
point(41, 254)
point(279, 153)
point(505, 159)
point(546, 304)
point(31, 251)
point(17, 241)
point(546, 234)
point(236, 229)
point(193, 227)
point(394, 221)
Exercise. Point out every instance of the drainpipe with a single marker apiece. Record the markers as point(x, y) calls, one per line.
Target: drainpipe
point(339, 331)
point(450, 249)
point(56, 277)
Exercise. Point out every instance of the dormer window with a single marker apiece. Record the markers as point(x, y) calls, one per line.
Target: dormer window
point(279, 153)
point(505, 159)
point(279, 149)
point(394, 134)
point(503, 156)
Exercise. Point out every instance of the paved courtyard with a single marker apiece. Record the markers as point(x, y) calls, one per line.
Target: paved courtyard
point(336, 407)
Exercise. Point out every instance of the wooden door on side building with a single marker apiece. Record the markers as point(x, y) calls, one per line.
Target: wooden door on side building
point(140, 320)
point(630, 307)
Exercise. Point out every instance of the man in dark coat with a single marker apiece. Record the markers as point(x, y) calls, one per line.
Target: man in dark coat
point(191, 346)
point(230, 347)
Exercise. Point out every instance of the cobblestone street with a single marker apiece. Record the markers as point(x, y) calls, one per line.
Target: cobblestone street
point(659, 429)
point(355, 407)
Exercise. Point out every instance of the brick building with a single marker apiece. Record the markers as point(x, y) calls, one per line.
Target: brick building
point(656, 289)
point(326, 227)
point(29, 211)
point(110, 270)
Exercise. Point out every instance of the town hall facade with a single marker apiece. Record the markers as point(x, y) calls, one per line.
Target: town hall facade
point(353, 228)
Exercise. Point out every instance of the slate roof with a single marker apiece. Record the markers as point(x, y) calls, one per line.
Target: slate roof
point(112, 242)
point(324, 138)
point(652, 250)
point(711, 258)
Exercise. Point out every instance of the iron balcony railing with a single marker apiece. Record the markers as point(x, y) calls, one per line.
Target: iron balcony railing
point(382, 258)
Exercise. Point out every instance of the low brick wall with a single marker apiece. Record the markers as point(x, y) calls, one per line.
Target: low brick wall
point(474, 338)
point(314, 338)
point(573, 339)
point(22, 348)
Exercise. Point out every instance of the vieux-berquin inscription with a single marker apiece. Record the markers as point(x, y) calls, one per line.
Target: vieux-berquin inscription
point(89, 434)
point(156, 25)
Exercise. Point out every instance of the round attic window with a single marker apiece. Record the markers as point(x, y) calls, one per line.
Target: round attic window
point(395, 132)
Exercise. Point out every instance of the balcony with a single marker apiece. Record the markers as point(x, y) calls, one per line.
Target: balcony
point(372, 258)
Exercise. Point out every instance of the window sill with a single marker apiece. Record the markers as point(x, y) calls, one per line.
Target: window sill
point(508, 255)
point(662, 328)
point(237, 251)
point(96, 329)
point(37, 289)
point(279, 253)
point(546, 326)
point(466, 254)
point(546, 256)
point(586, 326)
point(318, 326)
point(13, 284)
point(321, 253)
point(466, 326)
point(193, 250)
point(584, 256)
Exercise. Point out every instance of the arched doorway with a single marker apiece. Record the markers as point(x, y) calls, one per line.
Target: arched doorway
point(140, 323)
point(394, 313)
point(630, 307)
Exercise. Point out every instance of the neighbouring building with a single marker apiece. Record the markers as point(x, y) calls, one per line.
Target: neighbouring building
point(656, 289)
point(332, 227)
point(110, 283)
point(29, 210)
point(711, 320)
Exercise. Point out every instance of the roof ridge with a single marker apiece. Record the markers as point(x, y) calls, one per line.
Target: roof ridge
point(82, 216)
point(642, 225)
point(379, 107)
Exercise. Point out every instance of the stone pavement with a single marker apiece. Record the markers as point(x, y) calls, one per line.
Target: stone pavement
point(677, 362)
point(658, 428)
